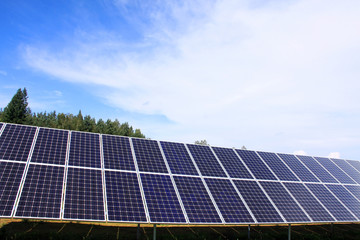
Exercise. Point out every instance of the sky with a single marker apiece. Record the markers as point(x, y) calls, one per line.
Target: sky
point(276, 75)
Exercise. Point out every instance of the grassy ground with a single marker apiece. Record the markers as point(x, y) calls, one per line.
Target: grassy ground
point(69, 231)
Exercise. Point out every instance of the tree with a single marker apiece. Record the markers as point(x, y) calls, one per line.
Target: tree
point(201, 142)
point(243, 148)
point(17, 111)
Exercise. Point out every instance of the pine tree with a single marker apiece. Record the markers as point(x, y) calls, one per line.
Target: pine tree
point(17, 110)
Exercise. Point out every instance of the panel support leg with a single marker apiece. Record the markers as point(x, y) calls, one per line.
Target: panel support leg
point(154, 235)
point(289, 232)
point(332, 231)
point(138, 232)
point(249, 232)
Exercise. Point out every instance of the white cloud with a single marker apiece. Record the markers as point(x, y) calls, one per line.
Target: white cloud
point(334, 155)
point(4, 73)
point(270, 76)
point(300, 152)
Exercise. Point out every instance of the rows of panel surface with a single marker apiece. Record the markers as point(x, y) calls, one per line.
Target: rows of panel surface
point(48, 173)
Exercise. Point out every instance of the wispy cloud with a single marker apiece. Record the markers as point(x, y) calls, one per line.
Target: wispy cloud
point(4, 73)
point(265, 76)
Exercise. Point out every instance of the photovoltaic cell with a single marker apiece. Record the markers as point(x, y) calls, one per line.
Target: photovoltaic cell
point(335, 170)
point(196, 200)
point(330, 202)
point(84, 150)
point(161, 200)
point(42, 191)
point(50, 146)
point(314, 209)
point(355, 190)
point(317, 169)
point(206, 161)
point(117, 153)
point(84, 195)
point(345, 196)
point(277, 166)
point(346, 167)
point(10, 178)
point(257, 201)
point(230, 204)
point(256, 165)
point(232, 163)
point(178, 158)
point(298, 168)
point(16, 141)
point(284, 202)
point(148, 156)
point(124, 201)
point(355, 164)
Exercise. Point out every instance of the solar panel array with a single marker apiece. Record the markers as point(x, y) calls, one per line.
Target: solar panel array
point(59, 174)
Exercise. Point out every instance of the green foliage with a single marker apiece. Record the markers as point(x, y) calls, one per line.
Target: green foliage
point(18, 111)
point(201, 142)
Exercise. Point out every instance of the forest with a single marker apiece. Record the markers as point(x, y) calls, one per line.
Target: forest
point(18, 111)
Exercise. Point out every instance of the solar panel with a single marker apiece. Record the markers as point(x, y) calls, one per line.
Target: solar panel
point(230, 204)
point(124, 201)
point(278, 167)
point(84, 150)
point(196, 200)
point(231, 162)
point(258, 202)
point(117, 153)
point(331, 203)
point(298, 168)
point(178, 158)
point(84, 195)
point(355, 164)
point(309, 203)
point(345, 196)
point(50, 146)
point(162, 202)
point(10, 178)
point(348, 169)
point(42, 191)
point(206, 161)
point(355, 190)
point(148, 156)
point(335, 170)
point(16, 141)
point(256, 165)
point(317, 169)
point(284, 202)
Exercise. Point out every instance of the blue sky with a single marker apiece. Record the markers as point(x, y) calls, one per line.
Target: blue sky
point(274, 75)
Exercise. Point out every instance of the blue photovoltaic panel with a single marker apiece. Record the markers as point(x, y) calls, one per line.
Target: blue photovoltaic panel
point(230, 204)
point(298, 168)
point(330, 202)
point(346, 167)
point(284, 202)
point(124, 201)
point(196, 200)
point(232, 163)
point(256, 165)
point(117, 153)
point(42, 191)
point(277, 166)
point(355, 190)
point(16, 141)
point(314, 209)
point(258, 202)
point(349, 200)
point(85, 150)
point(148, 156)
point(317, 169)
point(50, 146)
point(161, 200)
point(84, 195)
point(178, 158)
point(335, 170)
point(10, 178)
point(355, 164)
point(206, 161)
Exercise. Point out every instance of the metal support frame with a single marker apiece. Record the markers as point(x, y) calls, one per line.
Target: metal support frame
point(154, 233)
point(289, 232)
point(249, 232)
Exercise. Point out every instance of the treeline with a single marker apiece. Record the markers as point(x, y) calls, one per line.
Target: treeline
point(17, 111)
